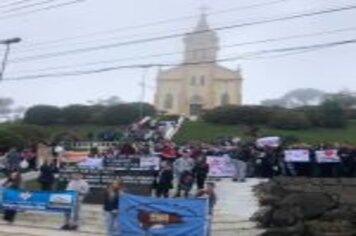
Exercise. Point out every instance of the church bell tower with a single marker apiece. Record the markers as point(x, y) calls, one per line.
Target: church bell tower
point(202, 44)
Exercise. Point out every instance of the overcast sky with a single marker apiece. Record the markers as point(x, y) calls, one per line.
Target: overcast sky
point(100, 22)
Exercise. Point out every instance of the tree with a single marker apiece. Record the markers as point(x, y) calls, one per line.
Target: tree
point(32, 134)
point(75, 114)
point(297, 98)
point(9, 140)
point(345, 99)
point(126, 113)
point(96, 114)
point(246, 115)
point(42, 115)
point(332, 114)
point(289, 119)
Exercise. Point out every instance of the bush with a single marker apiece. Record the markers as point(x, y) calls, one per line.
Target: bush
point(124, 114)
point(169, 117)
point(247, 115)
point(313, 114)
point(96, 114)
point(9, 140)
point(31, 133)
point(75, 114)
point(289, 119)
point(332, 115)
point(351, 114)
point(42, 115)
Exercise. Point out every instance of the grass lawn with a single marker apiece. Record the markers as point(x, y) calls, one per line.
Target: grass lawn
point(200, 130)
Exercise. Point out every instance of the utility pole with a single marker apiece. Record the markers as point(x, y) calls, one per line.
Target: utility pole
point(7, 43)
point(143, 90)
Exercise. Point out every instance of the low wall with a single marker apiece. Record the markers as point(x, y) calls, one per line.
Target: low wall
point(307, 206)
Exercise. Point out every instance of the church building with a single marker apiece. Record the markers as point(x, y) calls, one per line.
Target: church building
point(199, 82)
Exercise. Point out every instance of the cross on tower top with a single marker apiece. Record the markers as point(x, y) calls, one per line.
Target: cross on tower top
point(204, 9)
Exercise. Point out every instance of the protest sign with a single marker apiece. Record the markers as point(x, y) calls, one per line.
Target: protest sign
point(268, 142)
point(327, 156)
point(141, 216)
point(220, 166)
point(135, 181)
point(300, 155)
point(150, 163)
point(37, 201)
point(74, 156)
point(91, 163)
point(133, 163)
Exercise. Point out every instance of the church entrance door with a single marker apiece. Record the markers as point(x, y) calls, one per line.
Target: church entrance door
point(196, 105)
point(196, 109)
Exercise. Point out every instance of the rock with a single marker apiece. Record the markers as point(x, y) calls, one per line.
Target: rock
point(297, 230)
point(336, 228)
point(263, 217)
point(342, 213)
point(311, 205)
point(283, 217)
point(269, 199)
point(270, 188)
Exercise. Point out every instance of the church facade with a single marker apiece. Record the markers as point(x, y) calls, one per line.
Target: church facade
point(199, 82)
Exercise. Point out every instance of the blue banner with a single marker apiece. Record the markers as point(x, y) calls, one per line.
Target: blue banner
point(37, 201)
point(147, 216)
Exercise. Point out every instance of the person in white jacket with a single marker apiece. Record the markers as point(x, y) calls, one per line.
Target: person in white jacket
point(181, 166)
point(81, 187)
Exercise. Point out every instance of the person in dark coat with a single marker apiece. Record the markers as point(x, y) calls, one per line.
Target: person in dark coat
point(46, 177)
point(111, 207)
point(201, 170)
point(13, 160)
point(163, 180)
point(185, 184)
point(13, 181)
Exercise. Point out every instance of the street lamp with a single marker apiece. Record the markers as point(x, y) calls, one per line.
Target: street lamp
point(7, 43)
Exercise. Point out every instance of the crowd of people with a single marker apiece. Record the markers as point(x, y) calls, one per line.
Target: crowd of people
point(183, 167)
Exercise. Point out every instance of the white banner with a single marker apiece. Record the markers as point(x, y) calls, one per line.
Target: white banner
point(150, 163)
point(90, 162)
point(268, 142)
point(299, 155)
point(220, 166)
point(327, 156)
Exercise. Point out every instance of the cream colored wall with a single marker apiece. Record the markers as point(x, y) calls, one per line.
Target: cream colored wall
point(177, 82)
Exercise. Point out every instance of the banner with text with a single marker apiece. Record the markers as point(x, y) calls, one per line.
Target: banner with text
point(327, 156)
point(141, 216)
point(221, 166)
point(300, 155)
point(268, 142)
point(14, 199)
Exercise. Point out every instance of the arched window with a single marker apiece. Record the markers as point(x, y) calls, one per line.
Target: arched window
point(202, 80)
point(168, 101)
point(225, 99)
point(193, 81)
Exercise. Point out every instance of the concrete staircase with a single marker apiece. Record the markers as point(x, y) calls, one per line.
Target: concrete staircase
point(236, 204)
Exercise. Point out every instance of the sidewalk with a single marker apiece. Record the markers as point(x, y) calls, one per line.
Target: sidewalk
point(236, 204)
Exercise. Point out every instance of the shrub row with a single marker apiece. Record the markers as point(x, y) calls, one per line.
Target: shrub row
point(329, 114)
point(121, 114)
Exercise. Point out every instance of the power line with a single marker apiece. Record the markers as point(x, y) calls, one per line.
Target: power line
point(171, 36)
point(161, 22)
point(32, 5)
point(16, 3)
point(226, 59)
point(263, 41)
point(43, 9)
